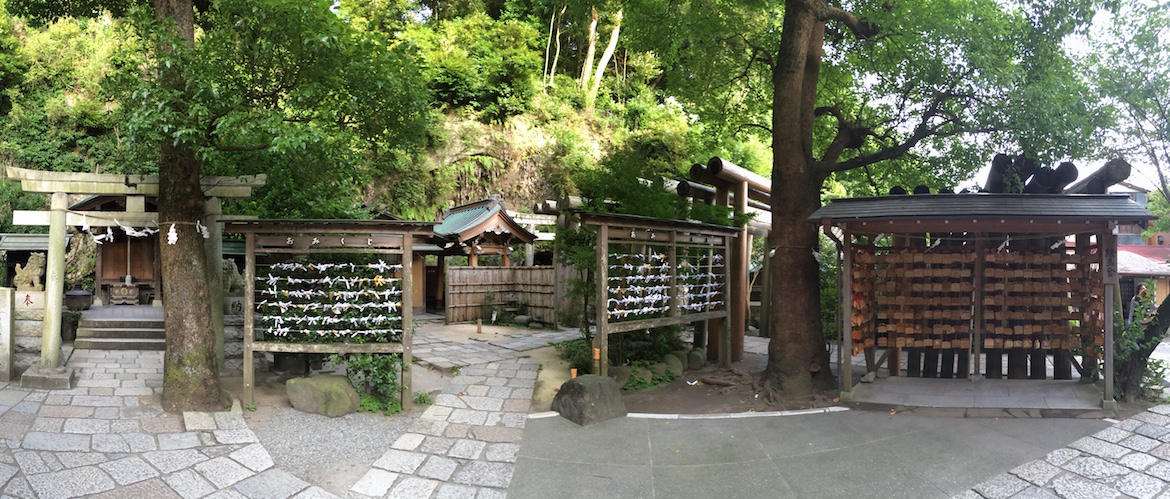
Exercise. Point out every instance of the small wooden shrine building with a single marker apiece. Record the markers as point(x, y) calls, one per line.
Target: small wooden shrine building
point(481, 228)
point(956, 282)
point(126, 269)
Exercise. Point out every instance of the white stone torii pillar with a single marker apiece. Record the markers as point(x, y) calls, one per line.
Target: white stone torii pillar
point(48, 374)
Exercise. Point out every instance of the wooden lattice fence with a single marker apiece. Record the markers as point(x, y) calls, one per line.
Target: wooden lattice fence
point(533, 287)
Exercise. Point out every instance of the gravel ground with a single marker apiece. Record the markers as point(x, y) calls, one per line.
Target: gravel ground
point(332, 453)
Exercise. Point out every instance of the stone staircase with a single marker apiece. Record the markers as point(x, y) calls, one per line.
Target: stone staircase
point(120, 334)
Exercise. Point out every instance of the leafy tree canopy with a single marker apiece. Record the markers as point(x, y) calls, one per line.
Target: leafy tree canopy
point(1131, 67)
point(489, 66)
point(932, 73)
point(287, 89)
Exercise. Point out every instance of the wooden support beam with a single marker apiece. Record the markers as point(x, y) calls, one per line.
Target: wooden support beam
point(115, 184)
point(601, 336)
point(249, 314)
point(847, 314)
point(90, 218)
point(1108, 243)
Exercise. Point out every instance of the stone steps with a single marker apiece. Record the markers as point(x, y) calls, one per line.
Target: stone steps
point(120, 323)
point(120, 334)
point(120, 343)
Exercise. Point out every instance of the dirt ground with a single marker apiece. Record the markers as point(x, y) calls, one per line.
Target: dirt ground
point(689, 394)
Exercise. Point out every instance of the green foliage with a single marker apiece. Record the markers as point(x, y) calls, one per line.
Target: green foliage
point(374, 403)
point(1133, 342)
point(376, 377)
point(60, 115)
point(41, 12)
point(12, 65)
point(637, 383)
point(830, 297)
point(423, 398)
point(1153, 379)
point(1161, 209)
point(651, 345)
point(487, 65)
point(578, 352)
point(1130, 66)
point(319, 111)
point(13, 198)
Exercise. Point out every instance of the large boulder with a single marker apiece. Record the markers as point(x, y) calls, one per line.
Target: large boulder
point(644, 374)
point(673, 363)
point(328, 394)
point(682, 357)
point(620, 374)
point(697, 358)
point(522, 320)
point(589, 399)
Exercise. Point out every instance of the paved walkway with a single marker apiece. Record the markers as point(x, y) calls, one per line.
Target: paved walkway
point(1129, 459)
point(109, 438)
point(464, 445)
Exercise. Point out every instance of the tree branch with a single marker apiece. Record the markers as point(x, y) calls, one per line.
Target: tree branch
point(745, 126)
point(923, 130)
point(860, 29)
point(844, 133)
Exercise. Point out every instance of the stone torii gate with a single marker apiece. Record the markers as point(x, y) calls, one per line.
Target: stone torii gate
point(59, 185)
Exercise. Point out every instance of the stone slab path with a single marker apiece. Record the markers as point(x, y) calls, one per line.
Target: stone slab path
point(446, 354)
point(1129, 459)
point(463, 446)
point(108, 437)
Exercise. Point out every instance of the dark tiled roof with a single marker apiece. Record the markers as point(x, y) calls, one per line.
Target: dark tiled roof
point(458, 220)
point(488, 216)
point(26, 242)
point(1069, 207)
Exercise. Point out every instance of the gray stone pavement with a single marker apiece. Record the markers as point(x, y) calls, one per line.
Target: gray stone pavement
point(847, 454)
point(447, 354)
point(465, 444)
point(109, 438)
point(1128, 459)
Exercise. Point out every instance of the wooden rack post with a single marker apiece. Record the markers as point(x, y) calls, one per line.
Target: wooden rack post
point(847, 312)
point(667, 236)
point(309, 237)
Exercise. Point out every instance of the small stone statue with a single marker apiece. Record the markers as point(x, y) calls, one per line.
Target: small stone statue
point(28, 277)
point(233, 282)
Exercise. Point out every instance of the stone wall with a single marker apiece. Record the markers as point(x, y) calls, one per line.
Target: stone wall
point(233, 347)
point(28, 328)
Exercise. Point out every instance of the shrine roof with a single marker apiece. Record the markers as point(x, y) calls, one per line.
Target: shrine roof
point(982, 211)
point(486, 217)
point(26, 242)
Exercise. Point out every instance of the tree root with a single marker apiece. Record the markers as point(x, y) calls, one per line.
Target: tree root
point(732, 380)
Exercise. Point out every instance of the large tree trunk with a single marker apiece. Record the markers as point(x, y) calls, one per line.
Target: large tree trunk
point(190, 373)
point(797, 358)
point(604, 61)
point(552, 71)
point(587, 68)
point(548, 51)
